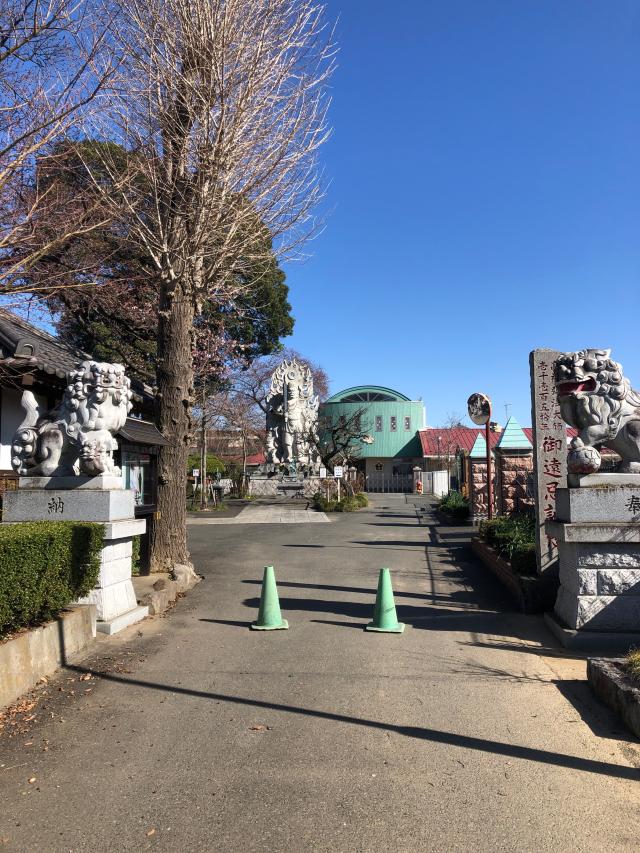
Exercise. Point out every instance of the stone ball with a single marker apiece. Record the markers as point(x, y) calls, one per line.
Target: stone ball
point(583, 460)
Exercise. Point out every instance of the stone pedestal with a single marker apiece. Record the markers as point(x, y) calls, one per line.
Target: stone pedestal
point(97, 499)
point(597, 529)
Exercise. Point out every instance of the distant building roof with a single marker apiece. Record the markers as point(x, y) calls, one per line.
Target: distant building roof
point(463, 438)
point(368, 394)
point(513, 437)
point(451, 440)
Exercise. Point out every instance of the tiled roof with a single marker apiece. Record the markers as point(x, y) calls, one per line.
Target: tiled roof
point(457, 438)
point(463, 438)
point(24, 347)
point(22, 344)
point(256, 459)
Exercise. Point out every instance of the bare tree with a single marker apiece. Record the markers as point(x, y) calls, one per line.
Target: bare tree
point(221, 105)
point(53, 62)
point(340, 440)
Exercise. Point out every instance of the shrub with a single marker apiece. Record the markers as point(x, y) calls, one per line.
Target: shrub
point(513, 537)
point(632, 664)
point(454, 504)
point(214, 465)
point(135, 556)
point(361, 499)
point(45, 566)
point(349, 504)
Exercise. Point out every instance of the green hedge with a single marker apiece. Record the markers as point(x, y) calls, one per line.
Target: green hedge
point(45, 565)
point(348, 504)
point(513, 537)
point(454, 504)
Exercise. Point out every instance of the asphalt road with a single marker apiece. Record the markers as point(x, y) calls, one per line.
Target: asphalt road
point(470, 731)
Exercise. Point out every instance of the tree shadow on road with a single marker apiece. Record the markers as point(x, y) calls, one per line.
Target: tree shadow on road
point(526, 753)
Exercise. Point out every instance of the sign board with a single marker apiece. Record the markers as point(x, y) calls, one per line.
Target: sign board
point(549, 450)
point(479, 408)
point(323, 473)
point(196, 472)
point(338, 472)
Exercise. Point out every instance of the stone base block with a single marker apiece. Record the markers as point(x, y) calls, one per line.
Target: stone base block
point(119, 623)
point(112, 600)
point(599, 504)
point(619, 613)
point(68, 505)
point(594, 642)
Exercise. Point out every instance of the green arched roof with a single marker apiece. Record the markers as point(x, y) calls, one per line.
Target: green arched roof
point(367, 394)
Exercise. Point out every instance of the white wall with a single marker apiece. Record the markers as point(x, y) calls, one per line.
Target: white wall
point(11, 416)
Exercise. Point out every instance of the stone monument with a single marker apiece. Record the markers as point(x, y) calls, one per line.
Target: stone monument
point(292, 460)
point(549, 452)
point(597, 517)
point(292, 417)
point(65, 459)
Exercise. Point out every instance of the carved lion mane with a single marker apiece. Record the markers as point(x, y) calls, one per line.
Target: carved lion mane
point(598, 400)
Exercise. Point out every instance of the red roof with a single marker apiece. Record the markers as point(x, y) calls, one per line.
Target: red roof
point(256, 459)
point(462, 438)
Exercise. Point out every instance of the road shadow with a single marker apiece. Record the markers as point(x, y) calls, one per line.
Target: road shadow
point(487, 745)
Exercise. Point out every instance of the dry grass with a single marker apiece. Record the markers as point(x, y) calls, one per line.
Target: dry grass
point(633, 664)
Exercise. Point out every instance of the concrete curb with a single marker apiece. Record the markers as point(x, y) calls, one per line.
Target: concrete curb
point(611, 685)
point(38, 652)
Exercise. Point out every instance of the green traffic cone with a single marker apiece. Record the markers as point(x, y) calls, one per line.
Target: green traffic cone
point(385, 620)
point(269, 616)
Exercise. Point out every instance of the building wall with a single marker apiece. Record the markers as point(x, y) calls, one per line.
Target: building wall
point(377, 422)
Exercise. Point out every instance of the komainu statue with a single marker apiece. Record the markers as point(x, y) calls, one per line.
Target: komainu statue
point(598, 400)
point(292, 417)
point(78, 436)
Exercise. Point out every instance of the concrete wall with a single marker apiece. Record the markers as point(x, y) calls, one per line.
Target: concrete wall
point(26, 658)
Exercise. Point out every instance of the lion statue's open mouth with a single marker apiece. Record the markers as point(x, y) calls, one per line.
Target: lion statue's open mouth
point(598, 400)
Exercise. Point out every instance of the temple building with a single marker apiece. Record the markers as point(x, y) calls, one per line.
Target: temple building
point(389, 422)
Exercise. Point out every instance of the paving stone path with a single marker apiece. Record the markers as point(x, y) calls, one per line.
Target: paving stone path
point(269, 514)
point(472, 731)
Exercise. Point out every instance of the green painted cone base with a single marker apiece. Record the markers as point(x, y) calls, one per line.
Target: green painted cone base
point(281, 627)
point(385, 620)
point(269, 616)
point(398, 628)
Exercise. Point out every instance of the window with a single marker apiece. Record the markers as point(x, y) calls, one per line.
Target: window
point(394, 423)
point(137, 475)
point(378, 423)
point(407, 424)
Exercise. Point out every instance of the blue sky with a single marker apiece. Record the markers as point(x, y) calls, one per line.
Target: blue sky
point(485, 187)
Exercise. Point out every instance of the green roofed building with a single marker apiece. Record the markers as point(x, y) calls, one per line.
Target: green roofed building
point(392, 421)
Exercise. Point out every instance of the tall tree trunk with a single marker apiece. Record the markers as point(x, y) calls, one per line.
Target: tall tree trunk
point(173, 407)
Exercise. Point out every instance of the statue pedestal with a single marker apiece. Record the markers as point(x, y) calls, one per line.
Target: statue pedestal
point(597, 529)
point(94, 499)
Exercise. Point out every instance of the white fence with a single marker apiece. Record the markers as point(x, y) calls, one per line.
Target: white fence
point(435, 483)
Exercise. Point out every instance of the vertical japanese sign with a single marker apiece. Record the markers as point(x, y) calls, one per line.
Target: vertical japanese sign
point(549, 450)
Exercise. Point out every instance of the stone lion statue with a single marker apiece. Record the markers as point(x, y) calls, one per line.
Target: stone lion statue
point(598, 400)
point(76, 437)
